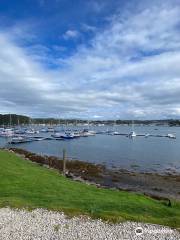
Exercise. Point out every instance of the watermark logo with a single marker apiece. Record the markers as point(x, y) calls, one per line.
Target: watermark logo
point(139, 231)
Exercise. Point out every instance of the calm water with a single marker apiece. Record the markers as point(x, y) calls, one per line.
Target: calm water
point(140, 153)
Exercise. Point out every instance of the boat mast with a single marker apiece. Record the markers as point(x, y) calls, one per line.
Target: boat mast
point(10, 120)
point(132, 125)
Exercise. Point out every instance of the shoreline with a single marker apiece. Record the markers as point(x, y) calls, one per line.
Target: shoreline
point(154, 185)
point(31, 185)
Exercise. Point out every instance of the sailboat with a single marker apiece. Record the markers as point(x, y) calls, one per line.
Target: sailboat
point(8, 132)
point(132, 133)
point(114, 132)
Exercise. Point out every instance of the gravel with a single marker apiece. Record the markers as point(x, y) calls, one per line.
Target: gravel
point(42, 224)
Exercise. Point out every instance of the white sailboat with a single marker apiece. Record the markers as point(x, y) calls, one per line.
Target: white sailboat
point(114, 132)
point(132, 133)
point(8, 132)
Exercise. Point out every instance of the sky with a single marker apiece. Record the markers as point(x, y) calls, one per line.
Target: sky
point(95, 59)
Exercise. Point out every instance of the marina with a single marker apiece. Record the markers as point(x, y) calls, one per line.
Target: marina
point(146, 148)
point(21, 135)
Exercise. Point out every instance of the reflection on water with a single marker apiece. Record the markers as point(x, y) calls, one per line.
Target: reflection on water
point(139, 153)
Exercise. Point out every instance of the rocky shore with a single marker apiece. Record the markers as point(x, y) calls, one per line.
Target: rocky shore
point(49, 225)
point(158, 186)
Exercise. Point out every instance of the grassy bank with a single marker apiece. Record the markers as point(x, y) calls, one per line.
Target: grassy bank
point(26, 184)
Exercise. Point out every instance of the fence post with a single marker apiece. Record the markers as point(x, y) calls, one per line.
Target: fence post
point(64, 161)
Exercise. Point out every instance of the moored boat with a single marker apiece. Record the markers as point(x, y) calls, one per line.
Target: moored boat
point(19, 139)
point(8, 132)
point(86, 133)
point(132, 134)
point(65, 135)
point(170, 135)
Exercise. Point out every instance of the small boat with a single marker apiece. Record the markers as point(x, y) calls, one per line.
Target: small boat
point(44, 130)
point(50, 129)
point(115, 133)
point(19, 139)
point(57, 136)
point(8, 132)
point(66, 135)
point(170, 135)
point(86, 133)
point(19, 131)
point(31, 131)
point(37, 138)
point(76, 134)
point(1, 130)
point(132, 134)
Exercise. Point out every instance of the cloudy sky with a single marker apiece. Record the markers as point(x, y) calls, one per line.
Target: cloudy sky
point(95, 59)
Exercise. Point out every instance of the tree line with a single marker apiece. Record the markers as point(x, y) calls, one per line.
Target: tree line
point(14, 119)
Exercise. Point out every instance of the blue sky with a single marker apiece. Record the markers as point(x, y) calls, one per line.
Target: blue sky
point(96, 59)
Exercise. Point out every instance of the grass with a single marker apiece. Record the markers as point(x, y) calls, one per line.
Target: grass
point(24, 184)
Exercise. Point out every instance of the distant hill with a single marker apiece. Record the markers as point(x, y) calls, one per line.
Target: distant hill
point(14, 119)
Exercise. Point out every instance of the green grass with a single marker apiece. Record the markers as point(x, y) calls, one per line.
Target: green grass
point(24, 184)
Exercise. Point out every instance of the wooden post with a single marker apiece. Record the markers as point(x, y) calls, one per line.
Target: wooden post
point(64, 161)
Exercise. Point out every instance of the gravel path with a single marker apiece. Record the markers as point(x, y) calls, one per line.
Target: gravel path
point(48, 225)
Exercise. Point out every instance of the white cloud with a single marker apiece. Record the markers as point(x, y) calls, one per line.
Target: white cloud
point(70, 34)
point(130, 70)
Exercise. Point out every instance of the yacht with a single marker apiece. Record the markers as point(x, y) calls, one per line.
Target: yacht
point(68, 135)
point(8, 132)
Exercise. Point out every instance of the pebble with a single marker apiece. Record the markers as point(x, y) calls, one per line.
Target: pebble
point(42, 224)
